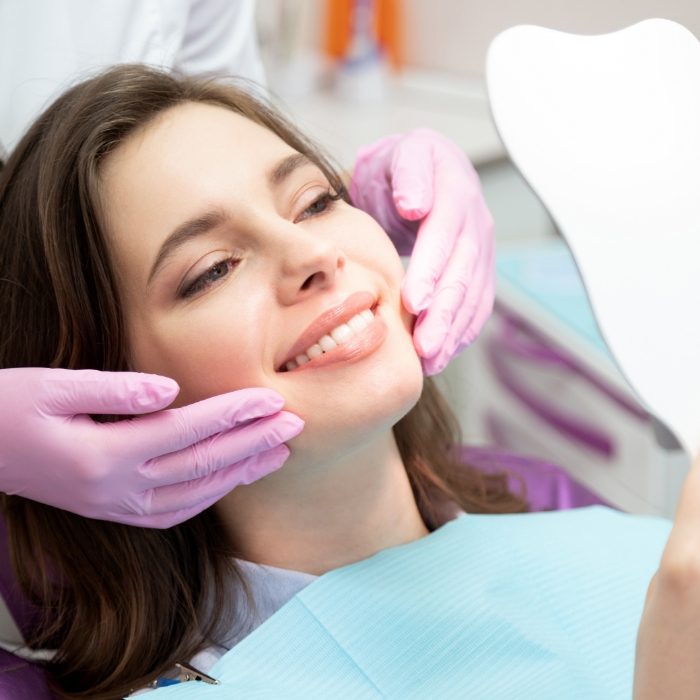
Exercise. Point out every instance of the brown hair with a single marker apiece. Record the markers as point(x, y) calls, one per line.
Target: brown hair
point(122, 604)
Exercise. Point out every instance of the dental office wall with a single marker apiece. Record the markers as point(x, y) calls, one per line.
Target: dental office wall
point(465, 28)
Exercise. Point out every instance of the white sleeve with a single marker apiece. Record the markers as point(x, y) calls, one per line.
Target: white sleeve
point(220, 39)
point(10, 636)
point(48, 45)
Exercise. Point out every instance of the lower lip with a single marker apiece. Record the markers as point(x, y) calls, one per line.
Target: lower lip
point(354, 349)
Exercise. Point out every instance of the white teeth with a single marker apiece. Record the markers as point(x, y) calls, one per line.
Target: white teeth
point(327, 343)
point(336, 337)
point(357, 323)
point(342, 333)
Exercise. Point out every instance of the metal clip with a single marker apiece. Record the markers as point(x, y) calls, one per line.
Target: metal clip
point(181, 674)
point(190, 673)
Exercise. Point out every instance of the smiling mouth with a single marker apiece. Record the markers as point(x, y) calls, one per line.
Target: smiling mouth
point(348, 341)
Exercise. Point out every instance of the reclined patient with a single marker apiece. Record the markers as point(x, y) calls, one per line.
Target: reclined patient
point(184, 228)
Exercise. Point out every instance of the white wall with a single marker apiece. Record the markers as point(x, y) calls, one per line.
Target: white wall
point(453, 35)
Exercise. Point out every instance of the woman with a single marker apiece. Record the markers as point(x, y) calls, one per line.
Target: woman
point(449, 280)
point(181, 228)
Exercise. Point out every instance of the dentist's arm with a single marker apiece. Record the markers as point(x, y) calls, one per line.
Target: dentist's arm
point(422, 189)
point(155, 470)
point(668, 643)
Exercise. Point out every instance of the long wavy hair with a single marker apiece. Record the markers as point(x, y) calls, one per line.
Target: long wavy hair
point(122, 604)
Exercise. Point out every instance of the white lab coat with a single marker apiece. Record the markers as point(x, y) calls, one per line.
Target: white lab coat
point(47, 45)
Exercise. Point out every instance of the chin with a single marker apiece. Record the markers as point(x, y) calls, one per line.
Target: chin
point(357, 413)
point(396, 390)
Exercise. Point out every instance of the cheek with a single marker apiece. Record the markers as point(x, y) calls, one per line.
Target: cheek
point(204, 353)
point(365, 241)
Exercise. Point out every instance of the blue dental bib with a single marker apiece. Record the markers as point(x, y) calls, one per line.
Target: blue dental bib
point(541, 605)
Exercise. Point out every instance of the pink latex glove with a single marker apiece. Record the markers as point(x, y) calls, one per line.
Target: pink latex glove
point(450, 280)
point(156, 470)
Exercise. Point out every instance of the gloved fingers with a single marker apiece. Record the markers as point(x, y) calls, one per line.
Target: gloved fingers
point(174, 429)
point(412, 175)
point(469, 320)
point(435, 243)
point(70, 392)
point(226, 449)
point(456, 302)
point(195, 496)
point(435, 322)
point(479, 299)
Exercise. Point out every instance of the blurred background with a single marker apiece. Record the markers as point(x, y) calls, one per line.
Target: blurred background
point(539, 380)
point(352, 73)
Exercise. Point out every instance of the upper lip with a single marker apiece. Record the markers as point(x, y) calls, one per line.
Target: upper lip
point(327, 321)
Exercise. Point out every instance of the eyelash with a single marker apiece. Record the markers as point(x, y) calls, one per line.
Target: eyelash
point(327, 198)
point(203, 281)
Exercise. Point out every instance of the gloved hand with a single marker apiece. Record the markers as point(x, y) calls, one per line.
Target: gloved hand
point(156, 470)
point(450, 281)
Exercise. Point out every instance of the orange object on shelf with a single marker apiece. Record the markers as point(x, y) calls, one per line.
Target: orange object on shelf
point(386, 28)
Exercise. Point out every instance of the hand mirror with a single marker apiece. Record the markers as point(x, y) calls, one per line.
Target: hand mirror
point(606, 130)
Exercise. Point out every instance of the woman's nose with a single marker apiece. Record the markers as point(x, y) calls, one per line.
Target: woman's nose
point(309, 263)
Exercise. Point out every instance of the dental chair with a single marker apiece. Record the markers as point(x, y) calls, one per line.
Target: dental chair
point(19, 679)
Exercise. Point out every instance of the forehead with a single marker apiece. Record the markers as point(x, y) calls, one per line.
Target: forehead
point(191, 136)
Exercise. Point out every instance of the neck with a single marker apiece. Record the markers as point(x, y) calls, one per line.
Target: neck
point(316, 517)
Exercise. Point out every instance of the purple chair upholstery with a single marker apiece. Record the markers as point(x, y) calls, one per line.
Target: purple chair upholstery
point(548, 488)
point(19, 679)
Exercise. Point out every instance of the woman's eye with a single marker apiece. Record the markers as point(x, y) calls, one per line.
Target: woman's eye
point(320, 205)
point(216, 272)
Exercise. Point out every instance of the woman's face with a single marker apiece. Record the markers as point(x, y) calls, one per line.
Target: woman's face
point(233, 261)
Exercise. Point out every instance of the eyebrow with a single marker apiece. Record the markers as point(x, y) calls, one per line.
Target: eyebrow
point(286, 167)
point(201, 225)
